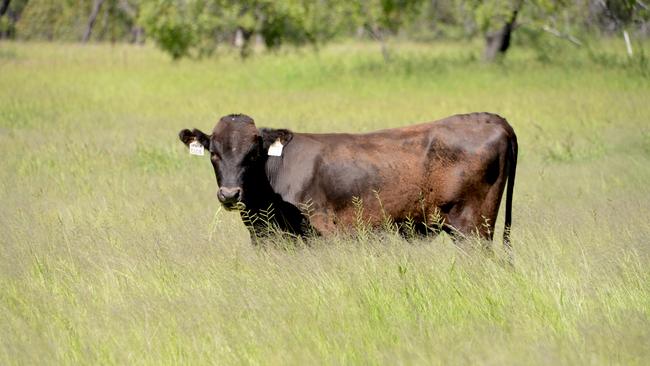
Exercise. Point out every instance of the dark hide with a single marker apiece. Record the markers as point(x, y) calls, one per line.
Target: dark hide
point(445, 175)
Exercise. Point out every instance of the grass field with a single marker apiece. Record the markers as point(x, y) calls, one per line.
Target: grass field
point(113, 249)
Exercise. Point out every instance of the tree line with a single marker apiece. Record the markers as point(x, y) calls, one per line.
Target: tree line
point(196, 28)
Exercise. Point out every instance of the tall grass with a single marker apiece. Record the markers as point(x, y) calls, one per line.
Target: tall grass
point(113, 250)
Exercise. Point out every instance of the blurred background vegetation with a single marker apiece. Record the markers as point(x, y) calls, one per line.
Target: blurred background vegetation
point(198, 28)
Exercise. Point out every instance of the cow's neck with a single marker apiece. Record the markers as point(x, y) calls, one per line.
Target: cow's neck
point(259, 193)
point(260, 199)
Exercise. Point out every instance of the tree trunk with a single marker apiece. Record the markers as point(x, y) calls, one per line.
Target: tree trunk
point(128, 9)
point(377, 33)
point(97, 4)
point(137, 32)
point(243, 41)
point(138, 35)
point(498, 42)
point(4, 7)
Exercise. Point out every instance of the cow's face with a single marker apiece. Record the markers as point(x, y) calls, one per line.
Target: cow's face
point(235, 148)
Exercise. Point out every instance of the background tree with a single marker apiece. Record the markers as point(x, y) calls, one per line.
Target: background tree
point(68, 20)
point(497, 20)
point(52, 19)
point(498, 41)
point(381, 18)
point(169, 25)
point(4, 7)
point(97, 4)
point(197, 27)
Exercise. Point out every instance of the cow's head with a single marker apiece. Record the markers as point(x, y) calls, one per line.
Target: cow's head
point(238, 151)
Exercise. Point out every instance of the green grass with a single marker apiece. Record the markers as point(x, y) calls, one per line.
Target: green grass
point(113, 250)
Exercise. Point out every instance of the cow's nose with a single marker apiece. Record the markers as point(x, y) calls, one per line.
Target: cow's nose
point(229, 195)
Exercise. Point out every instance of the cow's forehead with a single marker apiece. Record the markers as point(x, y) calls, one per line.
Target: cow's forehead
point(229, 127)
point(235, 122)
point(232, 132)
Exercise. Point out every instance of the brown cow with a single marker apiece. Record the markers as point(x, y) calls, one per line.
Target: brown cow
point(446, 175)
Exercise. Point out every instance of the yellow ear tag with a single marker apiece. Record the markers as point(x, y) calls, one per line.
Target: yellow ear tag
point(276, 148)
point(196, 148)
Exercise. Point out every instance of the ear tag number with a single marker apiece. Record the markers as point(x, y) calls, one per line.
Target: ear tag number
point(276, 148)
point(196, 148)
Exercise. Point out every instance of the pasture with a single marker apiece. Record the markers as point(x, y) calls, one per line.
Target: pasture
point(113, 249)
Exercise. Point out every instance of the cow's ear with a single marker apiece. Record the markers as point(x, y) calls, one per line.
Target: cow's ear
point(269, 136)
point(187, 136)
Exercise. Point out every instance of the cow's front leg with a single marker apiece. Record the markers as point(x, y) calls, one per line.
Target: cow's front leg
point(256, 238)
point(257, 229)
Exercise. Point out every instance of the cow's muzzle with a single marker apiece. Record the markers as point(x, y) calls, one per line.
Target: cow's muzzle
point(229, 196)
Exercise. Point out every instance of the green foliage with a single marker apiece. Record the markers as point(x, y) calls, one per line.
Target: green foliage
point(67, 19)
point(198, 26)
point(492, 14)
point(53, 19)
point(170, 25)
point(6, 25)
point(623, 11)
point(389, 15)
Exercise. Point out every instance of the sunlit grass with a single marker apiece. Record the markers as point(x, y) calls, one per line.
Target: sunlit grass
point(112, 249)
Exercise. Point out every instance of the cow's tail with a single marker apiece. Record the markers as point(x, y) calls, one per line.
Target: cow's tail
point(512, 168)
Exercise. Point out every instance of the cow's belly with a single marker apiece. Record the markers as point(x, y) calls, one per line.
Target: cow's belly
point(369, 186)
point(400, 189)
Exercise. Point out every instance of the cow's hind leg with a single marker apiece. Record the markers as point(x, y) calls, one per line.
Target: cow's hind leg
point(467, 221)
point(476, 217)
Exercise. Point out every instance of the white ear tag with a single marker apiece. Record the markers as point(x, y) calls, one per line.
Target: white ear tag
point(196, 148)
point(276, 148)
